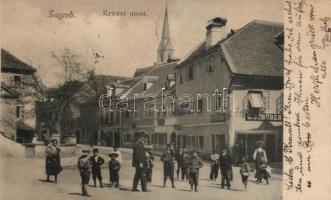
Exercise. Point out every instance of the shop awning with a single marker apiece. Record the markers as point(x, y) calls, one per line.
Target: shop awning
point(256, 100)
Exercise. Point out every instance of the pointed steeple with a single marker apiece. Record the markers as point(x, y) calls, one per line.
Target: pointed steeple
point(165, 50)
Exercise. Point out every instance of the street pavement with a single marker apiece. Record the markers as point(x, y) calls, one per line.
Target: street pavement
point(24, 179)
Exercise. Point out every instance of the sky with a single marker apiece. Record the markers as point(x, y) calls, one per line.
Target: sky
point(126, 42)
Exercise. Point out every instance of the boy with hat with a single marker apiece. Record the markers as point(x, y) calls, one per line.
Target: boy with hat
point(194, 165)
point(114, 167)
point(168, 166)
point(84, 167)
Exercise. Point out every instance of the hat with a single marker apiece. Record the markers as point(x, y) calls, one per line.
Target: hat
point(85, 151)
point(113, 154)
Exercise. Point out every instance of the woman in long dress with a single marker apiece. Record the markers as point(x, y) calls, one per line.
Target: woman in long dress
point(53, 161)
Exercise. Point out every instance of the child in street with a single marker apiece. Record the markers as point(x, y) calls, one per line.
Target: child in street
point(96, 161)
point(84, 167)
point(150, 165)
point(194, 165)
point(264, 172)
point(244, 171)
point(114, 167)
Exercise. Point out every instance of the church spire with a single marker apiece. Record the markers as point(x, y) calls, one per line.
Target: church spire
point(165, 50)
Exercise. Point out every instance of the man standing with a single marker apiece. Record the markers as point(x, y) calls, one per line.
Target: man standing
point(96, 161)
point(226, 168)
point(179, 159)
point(84, 167)
point(168, 166)
point(139, 161)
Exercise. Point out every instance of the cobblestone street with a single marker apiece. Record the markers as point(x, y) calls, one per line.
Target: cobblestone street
point(22, 179)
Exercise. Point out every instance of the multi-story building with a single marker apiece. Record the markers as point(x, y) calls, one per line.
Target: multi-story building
point(245, 68)
point(18, 98)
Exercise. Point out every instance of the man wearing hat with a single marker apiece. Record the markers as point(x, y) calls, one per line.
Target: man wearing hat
point(84, 167)
point(168, 166)
point(139, 161)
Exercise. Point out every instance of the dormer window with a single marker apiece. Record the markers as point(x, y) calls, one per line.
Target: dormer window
point(147, 85)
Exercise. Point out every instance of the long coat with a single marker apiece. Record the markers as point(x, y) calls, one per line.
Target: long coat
point(53, 163)
point(226, 166)
point(139, 155)
point(168, 163)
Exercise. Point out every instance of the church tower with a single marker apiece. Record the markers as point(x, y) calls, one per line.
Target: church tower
point(165, 50)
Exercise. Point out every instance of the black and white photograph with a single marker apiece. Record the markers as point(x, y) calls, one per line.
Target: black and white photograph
point(162, 99)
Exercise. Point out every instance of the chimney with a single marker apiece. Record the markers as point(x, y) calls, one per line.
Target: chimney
point(216, 31)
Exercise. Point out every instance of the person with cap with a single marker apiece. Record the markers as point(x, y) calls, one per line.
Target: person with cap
point(185, 164)
point(96, 161)
point(168, 166)
point(139, 161)
point(226, 167)
point(84, 166)
point(114, 168)
point(214, 165)
point(258, 156)
point(194, 165)
point(119, 154)
point(53, 160)
point(150, 165)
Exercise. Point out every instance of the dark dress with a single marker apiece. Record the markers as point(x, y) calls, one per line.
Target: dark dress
point(53, 163)
point(168, 165)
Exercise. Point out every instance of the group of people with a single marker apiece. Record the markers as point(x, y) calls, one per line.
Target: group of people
point(188, 165)
point(92, 164)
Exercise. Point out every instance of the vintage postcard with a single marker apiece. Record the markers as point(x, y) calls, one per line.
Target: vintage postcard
point(165, 99)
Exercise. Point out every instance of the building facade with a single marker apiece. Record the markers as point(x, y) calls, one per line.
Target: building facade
point(18, 98)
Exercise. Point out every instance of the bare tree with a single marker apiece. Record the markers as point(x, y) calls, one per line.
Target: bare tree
point(73, 68)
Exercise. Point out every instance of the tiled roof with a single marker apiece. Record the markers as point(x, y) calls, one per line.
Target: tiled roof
point(9, 63)
point(141, 71)
point(159, 71)
point(253, 51)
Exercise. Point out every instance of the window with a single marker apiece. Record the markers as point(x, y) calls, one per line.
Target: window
point(255, 102)
point(136, 114)
point(200, 106)
point(279, 104)
point(149, 113)
point(17, 80)
point(189, 73)
point(18, 111)
point(211, 64)
point(147, 85)
point(201, 142)
point(127, 114)
point(180, 79)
